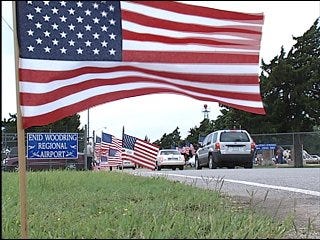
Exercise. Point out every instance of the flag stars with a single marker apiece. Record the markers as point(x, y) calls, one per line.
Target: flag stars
point(96, 20)
point(38, 25)
point(79, 19)
point(54, 10)
point(47, 49)
point(46, 3)
point(71, 27)
point(112, 22)
point(95, 5)
point(63, 19)
point(112, 52)
point(79, 35)
point(63, 35)
point(46, 18)
point(30, 48)
point(111, 8)
point(38, 9)
point(71, 42)
point(104, 14)
point(87, 27)
point(88, 43)
point(55, 42)
point(112, 36)
point(30, 16)
point(79, 51)
point(30, 32)
point(104, 44)
point(95, 36)
point(79, 4)
point(63, 4)
point(29, 2)
point(39, 41)
point(46, 34)
point(104, 28)
point(71, 11)
point(55, 26)
point(87, 12)
point(63, 50)
point(96, 51)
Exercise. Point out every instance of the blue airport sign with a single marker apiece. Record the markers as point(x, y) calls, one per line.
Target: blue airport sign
point(266, 146)
point(52, 145)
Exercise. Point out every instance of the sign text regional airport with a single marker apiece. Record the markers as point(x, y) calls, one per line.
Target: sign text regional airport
point(52, 145)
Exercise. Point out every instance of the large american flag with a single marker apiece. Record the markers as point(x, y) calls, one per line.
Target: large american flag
point(111, 148)
point(78, 54)
point(139, 151)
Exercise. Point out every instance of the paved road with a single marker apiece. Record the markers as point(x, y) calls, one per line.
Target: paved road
point(275, 191)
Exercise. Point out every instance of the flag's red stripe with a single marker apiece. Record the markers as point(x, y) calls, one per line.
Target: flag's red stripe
point(253, 32)
point(70, 110)
point(30, 99)
point(48, 76)
point(202, 11)
point(236, 44)
point(188, 57)
point(139, 161)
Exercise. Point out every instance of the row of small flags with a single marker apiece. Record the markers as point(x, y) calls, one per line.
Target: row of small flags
point(111, 151)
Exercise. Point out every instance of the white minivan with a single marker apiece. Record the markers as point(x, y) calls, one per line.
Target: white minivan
point(226, 148)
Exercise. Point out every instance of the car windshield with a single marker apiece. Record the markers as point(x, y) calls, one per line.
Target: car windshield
point(234, 137)
point(168, 152)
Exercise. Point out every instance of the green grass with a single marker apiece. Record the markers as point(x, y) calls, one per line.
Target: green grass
point(83, 204)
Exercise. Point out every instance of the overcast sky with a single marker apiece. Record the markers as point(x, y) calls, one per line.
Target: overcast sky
point(154, 115)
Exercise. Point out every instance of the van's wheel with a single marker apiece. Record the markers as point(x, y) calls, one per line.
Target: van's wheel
point(197, 165)
point(212, 163)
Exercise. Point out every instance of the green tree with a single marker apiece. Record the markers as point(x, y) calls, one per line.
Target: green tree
point(290, 88)
point(169, 140)
point(68, 124)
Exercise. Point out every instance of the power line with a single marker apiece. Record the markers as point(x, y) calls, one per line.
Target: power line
point(7, 23)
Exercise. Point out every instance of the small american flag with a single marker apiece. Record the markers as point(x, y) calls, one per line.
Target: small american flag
point(139, 151)
point(78, 54)
point(111, 150)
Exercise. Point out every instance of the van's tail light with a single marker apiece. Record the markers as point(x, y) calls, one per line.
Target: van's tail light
point(253, 146)
point(217, 146)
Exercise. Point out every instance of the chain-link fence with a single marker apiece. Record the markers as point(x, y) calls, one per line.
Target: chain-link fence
point(295, 146)
point(9, 144)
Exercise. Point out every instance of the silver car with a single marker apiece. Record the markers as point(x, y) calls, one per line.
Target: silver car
point(226, 148)
point(170, 158)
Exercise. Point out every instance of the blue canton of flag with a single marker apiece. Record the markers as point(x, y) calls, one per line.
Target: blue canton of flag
point(107, 138)
point(128, 142)
point(68, 30)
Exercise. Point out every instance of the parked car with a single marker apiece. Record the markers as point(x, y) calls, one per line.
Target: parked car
point(127, 164)
point(226, 148)
point(12, 163)
point(170, 158)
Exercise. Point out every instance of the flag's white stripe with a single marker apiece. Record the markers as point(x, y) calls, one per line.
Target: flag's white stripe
point(133, 45)
point(29, 111)
point(179, 17)
point(30, 87)
point(135, 27)
point(147, 149)
point(149, 146)
point(186, 68)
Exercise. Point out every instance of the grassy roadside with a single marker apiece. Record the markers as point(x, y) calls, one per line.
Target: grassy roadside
point(70, 204)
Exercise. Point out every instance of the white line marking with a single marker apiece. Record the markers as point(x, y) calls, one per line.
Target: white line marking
point(290, 189)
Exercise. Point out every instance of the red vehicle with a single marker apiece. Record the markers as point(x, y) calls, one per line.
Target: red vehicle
point(11, 164)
